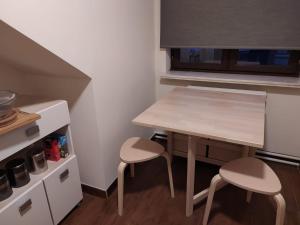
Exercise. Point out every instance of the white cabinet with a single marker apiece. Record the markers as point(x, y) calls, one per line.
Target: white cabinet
point(51, 195)
point(63, 189)
point(31, 208)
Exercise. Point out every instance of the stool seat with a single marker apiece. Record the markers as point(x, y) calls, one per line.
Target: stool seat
point(251, 174)
point(137, 149)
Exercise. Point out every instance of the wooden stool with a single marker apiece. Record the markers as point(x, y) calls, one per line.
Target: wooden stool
point(136, 150)
point(252, 175)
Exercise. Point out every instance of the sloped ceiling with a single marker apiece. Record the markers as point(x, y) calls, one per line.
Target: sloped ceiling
point(26, 55)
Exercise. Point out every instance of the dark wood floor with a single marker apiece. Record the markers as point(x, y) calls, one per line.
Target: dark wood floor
point(147, 199)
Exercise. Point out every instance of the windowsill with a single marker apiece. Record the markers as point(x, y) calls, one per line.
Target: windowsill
point(270, 81)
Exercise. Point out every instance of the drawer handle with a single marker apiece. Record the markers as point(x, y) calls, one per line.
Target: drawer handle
point(32, 131)
point(64, 175)
point(25, 207)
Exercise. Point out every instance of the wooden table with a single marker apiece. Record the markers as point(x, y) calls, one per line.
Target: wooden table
point(233, 116)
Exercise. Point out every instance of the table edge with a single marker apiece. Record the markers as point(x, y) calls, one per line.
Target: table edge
point(244, 143)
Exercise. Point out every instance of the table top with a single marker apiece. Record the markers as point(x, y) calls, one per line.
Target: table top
point(234, 116)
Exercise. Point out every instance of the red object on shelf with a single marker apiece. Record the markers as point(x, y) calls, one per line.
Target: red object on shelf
point(53, 153)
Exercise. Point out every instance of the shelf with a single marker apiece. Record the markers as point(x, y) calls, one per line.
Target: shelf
point(35, 104)
point(54, 115)
point(34, 179)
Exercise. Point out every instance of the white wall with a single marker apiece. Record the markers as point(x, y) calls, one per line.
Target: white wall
point(113, 43)
point(127, 84)
point(283, 104)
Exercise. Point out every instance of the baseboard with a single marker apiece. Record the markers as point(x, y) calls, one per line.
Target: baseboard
point(99, 192)
point(276, 157)
point(93, 191)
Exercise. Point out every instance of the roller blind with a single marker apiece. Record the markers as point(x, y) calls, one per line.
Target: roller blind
point(257, 24)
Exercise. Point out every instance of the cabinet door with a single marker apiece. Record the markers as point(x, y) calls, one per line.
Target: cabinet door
point(180, 144)
point(224, 151)
point(63, 189)
point(31, 208)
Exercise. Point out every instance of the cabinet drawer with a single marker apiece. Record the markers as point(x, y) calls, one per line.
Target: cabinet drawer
point(31, 208)
point(224, 151)
point(52, 118)
point(63, 189)
point(180, 144)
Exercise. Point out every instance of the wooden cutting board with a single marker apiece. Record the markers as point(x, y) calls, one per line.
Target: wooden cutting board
point(20, 120)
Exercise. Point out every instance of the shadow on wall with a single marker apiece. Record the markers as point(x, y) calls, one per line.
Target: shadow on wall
point(30, 69)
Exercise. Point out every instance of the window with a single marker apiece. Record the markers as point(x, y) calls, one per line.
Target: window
point(246, 61)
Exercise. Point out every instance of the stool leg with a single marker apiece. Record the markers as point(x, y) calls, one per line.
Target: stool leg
point(249, 196)
point(214, 182)
point(121, 169)
point(167, 157)
point(132, 170)
point(251, 153)
point(170, 145)
point(280, 202)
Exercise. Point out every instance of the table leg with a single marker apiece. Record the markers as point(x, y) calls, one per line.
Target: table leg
point(249, 152)
point(192, 145)
point(170, 144)
point(246, 151)
point(252, 152)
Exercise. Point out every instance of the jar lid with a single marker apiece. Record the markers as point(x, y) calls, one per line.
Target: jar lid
point(15, 163)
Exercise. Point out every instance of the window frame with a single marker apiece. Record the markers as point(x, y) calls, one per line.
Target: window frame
point(229, 65)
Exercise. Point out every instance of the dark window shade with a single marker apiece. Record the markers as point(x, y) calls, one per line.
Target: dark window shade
point(230, 24)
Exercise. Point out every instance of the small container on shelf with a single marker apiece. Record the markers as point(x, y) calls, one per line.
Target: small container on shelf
point(52, 150)
point(38, 162)
point(7, 102)
point(5, 188)
point(17, 172)
point(62, 144)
